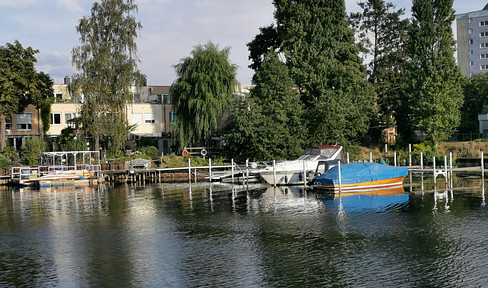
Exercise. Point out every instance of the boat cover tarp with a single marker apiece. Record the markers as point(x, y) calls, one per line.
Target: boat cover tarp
point(361, 172)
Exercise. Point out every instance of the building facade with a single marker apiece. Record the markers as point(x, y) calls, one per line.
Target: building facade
point(472, 42)
point(150, 112)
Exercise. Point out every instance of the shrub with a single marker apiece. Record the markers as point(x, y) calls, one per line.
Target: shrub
point(75, 145)
point(33, 148)
point(428, 154)
point(4, 164)
point(150, 151)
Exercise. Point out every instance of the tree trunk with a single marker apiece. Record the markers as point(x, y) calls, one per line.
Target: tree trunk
point(40, 124)
point(97, 143)
point(2, 132)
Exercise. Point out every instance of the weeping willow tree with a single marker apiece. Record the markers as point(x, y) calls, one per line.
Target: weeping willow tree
point(107, 61)
point(202, 91)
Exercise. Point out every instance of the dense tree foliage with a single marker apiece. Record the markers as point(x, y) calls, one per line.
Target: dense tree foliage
point(20, 83)
point(204, 88)
point(382, 34)
point(318, 47)
point(475, 102)
point(32, 149)
point(269, 126)
point(434, 93)
point(107, 64)
point(44, 100)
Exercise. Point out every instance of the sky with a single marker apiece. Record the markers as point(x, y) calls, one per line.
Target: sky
point(171, 30)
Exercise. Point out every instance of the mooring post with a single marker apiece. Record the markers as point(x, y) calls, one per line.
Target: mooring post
point(304, 174)
point(445, 167)
point(274, 173)
point(482, 167)
point(409, 155)
point(386, 150)
point(210, 168)
point(435, 176)
point(232, 169)
point(421, 161)
point(394, 159)
point(371, 157)
point(347, 157)
point(247, 171)
point(189, 170)
point(340, 176)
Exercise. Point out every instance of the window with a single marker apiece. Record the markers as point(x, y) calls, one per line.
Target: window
point(55, 118)
point(166, 99)
point(470, 63)
point(172, 117)
point(149, 118)
point(24, 121)
point(483, 56)
point(58, 97)
point(69, 116)
point(8, 123)
point(471, 52)
point(483, 23)
point(470, 31)
point(483, 34)
point(484, 67)
point(136, 118)
point(484, 45)
point(136, 98)
point(471, 41)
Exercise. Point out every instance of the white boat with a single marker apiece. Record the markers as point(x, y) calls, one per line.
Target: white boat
point(295, 172)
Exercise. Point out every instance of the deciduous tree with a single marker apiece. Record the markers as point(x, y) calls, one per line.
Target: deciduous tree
point(273, 129)
point(107, 63)
point(381, 34)
point(19, 82)
point(435, 93)
point(318, 47)
point(203, 89)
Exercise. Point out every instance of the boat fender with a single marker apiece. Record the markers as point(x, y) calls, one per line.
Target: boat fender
point(300, 176)
point(184, 153)
point(286, 179)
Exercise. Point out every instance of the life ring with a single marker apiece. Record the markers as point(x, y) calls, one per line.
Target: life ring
point(184, 153)
point(203, 152)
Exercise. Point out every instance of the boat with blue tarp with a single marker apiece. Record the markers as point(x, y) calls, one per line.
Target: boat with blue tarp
point(361, 176)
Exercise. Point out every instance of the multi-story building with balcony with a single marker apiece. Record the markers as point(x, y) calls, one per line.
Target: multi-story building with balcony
point(150, 111)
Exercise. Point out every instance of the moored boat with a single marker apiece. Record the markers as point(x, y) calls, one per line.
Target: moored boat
point(295, 172)
point(362, 176)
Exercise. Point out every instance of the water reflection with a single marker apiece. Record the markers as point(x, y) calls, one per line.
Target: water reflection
point(216, 235)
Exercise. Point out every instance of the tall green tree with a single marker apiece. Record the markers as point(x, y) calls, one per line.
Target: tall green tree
point(319, 49)
point(44, 100)
point(204, 88)
point(273, 129)
point(18, 81)
point(381, 34)
point(435, 93)
point(107, 63)
point(476, 101)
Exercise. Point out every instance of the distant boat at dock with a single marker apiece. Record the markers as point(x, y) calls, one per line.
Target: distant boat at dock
point(295, 172)
point(66, 168)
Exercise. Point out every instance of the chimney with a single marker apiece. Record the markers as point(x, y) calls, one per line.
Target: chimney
point(66, 80)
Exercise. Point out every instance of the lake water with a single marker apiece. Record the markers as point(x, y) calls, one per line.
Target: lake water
point(211, 235)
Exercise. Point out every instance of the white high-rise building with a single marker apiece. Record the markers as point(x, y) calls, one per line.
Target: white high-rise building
point(472, 41)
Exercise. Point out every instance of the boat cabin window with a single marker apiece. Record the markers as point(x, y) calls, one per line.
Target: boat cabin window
point(328, 152)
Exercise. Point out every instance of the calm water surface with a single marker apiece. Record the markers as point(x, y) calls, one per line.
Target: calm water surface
point(203, 235)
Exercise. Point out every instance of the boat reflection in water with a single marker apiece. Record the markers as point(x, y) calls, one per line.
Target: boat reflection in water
point(384, 199)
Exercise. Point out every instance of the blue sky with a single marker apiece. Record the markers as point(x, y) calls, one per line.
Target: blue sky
point(171, 28)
